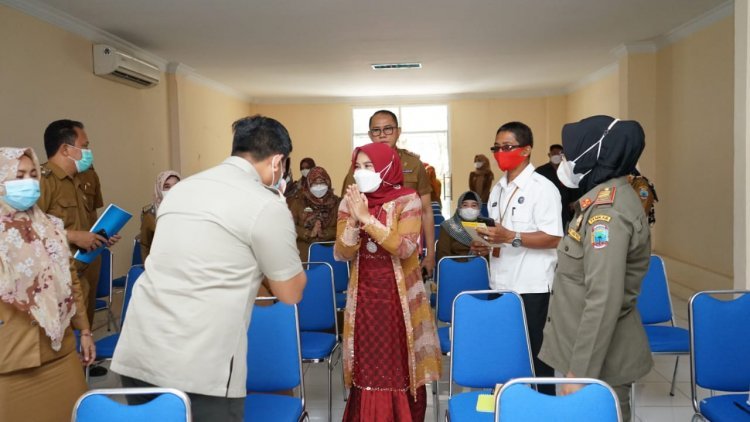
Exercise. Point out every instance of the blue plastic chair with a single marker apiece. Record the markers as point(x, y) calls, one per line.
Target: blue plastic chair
point(519, 402)
point(169, 406)
point(317, 321)
point(655, 306)
point(323, 252)
point(490, 346)
point(274, 364)
point(720, 358)
point(438, 218)
point(105, 347)
point(104, 289)
point(135, 259)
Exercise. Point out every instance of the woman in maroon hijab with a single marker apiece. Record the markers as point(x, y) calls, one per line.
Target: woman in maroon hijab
point(390, 346)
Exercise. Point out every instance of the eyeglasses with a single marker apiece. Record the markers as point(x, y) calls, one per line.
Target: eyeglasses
point(388, 130)
point(504, 148)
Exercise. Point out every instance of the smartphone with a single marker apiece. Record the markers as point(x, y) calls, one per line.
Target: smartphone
point(486, 220)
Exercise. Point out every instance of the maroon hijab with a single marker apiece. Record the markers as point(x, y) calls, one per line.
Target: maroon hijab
point(381, 154)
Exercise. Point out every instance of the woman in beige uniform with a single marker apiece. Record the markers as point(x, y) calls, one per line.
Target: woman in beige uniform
point(40, 302)
point(164, 182)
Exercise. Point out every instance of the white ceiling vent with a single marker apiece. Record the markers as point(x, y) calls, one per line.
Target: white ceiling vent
point(113, 64)
point(392, 66)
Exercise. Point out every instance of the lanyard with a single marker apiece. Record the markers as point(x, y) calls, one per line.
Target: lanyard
point(507, 204)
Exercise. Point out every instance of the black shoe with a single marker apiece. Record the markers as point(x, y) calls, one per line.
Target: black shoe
point(97, 371)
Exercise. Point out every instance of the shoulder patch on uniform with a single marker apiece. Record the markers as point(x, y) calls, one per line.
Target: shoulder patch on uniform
point(574, 234)
point(600, 217)
point(46, 171)
point(413, 154)
point(148, 209)
point(585, 203)
point(605, 196)
point(600, 236)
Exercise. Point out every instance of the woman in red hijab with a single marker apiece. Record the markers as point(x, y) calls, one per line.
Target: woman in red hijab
point(390, 344)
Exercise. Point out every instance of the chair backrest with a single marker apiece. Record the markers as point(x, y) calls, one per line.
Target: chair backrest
point(136, 258)
point(274, 362)
point(169, 406)
point(133, 273)
point(438, 218)
point(720, 341)
point(437, 232)
point(317, 309)
point(654, 303)
point(490, 344)
point(323, 252)
point(595, 402)
point(104, 286)
point(456, 274)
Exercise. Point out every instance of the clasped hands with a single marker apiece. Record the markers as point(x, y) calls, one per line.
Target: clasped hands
point(357, 204)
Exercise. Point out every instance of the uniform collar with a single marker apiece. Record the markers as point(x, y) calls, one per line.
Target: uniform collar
point(243, 165)
point(521, 180)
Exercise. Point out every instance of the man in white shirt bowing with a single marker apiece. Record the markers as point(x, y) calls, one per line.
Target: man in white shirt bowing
point(526, 208)
point(220, 233)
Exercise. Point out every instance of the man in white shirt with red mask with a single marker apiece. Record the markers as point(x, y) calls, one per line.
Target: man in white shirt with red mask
point(527, 210)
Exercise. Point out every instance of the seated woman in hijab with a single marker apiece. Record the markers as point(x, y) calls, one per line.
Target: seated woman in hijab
point(314, 210)
point(164, 182)
point(453, 239)
point(40, 302)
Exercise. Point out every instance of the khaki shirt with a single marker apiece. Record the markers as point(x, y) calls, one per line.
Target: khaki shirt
point(63, 196)
point(593, 328)
point(92, 188)
point(415, 176)
point(148, 228)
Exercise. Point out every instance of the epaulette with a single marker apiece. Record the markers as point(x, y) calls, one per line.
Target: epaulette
point(149, 209)
point(46, 171)
point(413, 154)
point(606, 196)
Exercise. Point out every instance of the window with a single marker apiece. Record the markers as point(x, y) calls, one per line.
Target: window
point(424, 131)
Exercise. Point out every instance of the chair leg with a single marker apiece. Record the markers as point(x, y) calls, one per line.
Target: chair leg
point(343, 383)
point(632, 403)
point(674, 375)
point(330, 388)
point(436, 399)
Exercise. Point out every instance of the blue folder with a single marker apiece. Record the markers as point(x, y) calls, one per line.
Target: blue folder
point(112, 220)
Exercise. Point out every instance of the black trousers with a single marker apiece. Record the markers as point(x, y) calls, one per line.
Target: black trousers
point(204, 408)
point(535, 305)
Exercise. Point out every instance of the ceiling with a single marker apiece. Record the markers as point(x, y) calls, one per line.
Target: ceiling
point(279, 50)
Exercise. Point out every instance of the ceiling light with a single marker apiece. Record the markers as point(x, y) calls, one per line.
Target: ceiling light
point(390, 66)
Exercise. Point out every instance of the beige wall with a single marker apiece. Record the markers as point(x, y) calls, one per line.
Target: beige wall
point(49, 77)
point(601, 96)
point(694, 97)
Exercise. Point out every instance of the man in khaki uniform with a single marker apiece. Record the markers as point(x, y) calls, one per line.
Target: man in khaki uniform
point(384, 128)
point(64, 195)
point(594, 329)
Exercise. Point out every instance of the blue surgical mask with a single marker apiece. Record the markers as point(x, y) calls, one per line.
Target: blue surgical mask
point(21, 194)
point(86, 161)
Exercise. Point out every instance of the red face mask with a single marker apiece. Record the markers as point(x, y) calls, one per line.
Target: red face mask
point(509, 160)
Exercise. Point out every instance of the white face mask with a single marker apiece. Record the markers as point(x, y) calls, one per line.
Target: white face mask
point(278, 185)
point(478, 164)
point(305, 172)
point(369, 181)
point(319, 190)
point(468, 214)
point(566, 171)
point(555, 159)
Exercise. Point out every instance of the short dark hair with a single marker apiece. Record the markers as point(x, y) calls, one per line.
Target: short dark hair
point(520, 131)
point(555, 146)
point(260, 137)
point(388, 112)
point(58, 133)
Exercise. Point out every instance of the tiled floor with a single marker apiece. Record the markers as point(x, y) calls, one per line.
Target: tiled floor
point(653, 402)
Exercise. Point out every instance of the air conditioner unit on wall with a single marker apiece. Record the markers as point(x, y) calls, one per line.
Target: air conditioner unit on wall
point(113, 64)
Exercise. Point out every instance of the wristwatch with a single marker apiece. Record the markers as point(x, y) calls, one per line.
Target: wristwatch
point(516, 240)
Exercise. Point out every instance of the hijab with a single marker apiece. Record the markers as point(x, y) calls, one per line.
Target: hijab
point(161, 179)
point(453, 225)
point(620, 149)
point(381, 155)
point(323, 209)
point(34, 258)
point(434, 182)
